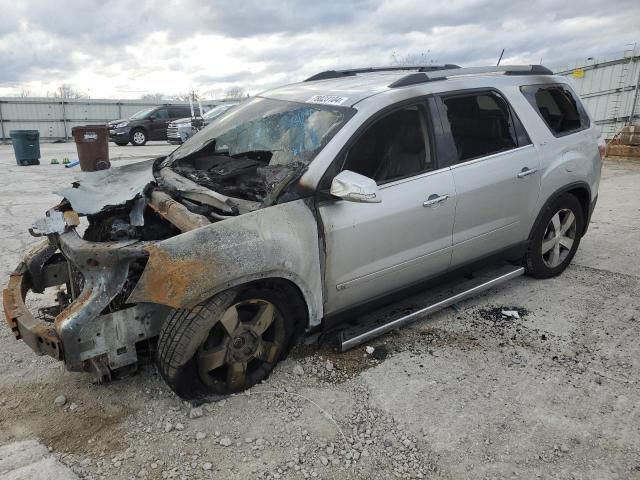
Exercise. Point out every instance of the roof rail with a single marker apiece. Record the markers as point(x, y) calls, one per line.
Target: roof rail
point(327, 74)
point(442, 74)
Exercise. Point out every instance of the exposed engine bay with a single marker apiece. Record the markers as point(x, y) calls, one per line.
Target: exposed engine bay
point(197, 190)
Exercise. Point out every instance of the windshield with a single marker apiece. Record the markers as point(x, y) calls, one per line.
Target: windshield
point(142, 113)
point(217, 111)
point(292, 132)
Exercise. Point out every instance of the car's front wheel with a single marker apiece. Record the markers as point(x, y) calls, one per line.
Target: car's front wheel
point(227, 344)
point(556, 238)
point(138, 137)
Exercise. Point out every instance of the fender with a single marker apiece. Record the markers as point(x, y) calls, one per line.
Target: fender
point(555, 195)
point(280, 241)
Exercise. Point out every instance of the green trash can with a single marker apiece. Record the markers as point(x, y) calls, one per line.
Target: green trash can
point(26, 145)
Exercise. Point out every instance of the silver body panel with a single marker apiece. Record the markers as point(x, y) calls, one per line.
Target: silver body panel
point(374, 248)
point(495, 208)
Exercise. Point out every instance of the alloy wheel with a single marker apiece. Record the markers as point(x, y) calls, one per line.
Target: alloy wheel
point(249, 334)
point(558, 238)
point(138, 138)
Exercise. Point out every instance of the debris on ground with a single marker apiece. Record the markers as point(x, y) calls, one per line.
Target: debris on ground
point(500, 314)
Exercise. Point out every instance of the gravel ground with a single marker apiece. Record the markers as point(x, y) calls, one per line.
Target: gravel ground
point(467, 393)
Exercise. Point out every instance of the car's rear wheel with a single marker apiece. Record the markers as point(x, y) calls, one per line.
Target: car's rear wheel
point(227, 344)
point(138, 137)
point(556, 238)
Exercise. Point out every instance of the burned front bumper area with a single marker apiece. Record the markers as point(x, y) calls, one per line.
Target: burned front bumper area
point(95, 329)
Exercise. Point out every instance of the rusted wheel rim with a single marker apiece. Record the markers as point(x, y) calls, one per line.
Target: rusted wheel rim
point(249, 334)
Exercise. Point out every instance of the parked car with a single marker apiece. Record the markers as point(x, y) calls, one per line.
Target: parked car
point(148, 124)
point(305, 207)
point(179, 131)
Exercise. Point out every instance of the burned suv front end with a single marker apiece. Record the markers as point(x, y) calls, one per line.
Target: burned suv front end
point(90, 327)
point(129, 245)
point(87, 280)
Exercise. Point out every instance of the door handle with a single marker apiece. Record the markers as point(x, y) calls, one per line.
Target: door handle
point(526, 171)
point(434, 200)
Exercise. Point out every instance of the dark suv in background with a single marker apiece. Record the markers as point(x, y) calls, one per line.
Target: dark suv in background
point(148, 124)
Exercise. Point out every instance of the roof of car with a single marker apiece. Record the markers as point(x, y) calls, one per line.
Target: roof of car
point(347, 89)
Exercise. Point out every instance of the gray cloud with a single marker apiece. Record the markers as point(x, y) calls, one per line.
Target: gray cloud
point(57, 40)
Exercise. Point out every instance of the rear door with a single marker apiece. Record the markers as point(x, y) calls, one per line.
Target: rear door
point(495, 171)
point(373, 249)
point(158, 126)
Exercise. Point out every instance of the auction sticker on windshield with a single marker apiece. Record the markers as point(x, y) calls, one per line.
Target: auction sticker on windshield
point(327, 99)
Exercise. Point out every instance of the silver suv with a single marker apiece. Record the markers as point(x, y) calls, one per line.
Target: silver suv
point(318, 206)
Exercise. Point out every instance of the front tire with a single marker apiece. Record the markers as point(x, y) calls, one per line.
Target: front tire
point(227, 344)
point(138, 137)
point(556, 238)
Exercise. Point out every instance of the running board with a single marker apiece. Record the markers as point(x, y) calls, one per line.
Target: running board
point(454, 291)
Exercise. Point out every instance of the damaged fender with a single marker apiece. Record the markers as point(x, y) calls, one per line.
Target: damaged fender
point(280, 241)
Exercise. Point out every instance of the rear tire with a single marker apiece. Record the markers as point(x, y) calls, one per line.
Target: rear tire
point(227, 344)
point(138, 137)
point(556, 238)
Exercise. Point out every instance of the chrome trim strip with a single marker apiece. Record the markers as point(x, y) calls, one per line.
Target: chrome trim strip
point(494, 155)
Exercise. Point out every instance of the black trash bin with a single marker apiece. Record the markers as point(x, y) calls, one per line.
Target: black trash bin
point(92, 142)
point(26, 145)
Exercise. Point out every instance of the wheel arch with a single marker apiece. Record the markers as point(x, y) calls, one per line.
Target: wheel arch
point(580, 190)
point(291, 289)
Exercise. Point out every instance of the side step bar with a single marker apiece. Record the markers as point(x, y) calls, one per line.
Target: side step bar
point(382, 321)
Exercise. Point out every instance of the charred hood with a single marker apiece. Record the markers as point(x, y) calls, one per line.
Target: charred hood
point(135, 200)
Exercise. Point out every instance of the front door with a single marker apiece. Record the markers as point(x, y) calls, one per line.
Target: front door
point(373, 249)
point(496, 175)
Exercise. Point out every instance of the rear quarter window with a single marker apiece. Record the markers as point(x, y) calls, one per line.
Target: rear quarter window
point(558, 106)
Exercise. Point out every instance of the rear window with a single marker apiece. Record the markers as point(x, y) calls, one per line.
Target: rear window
point(558, 106)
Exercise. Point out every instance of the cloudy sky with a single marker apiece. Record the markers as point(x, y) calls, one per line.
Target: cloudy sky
point(128, 48)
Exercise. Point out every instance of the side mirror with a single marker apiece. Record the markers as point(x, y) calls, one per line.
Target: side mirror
point(152, 118)
point(353, 187)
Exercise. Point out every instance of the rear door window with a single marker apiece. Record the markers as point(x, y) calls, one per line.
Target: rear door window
point(558, 106)
point(482, 124)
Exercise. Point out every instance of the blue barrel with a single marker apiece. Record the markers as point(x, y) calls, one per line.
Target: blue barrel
point(26, 145)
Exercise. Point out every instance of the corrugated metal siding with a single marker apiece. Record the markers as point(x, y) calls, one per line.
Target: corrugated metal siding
point(54, 120)
point(608, 90)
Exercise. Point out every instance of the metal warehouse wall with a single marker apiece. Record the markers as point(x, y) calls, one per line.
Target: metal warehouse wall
point(55, 118)
point(609, 90)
